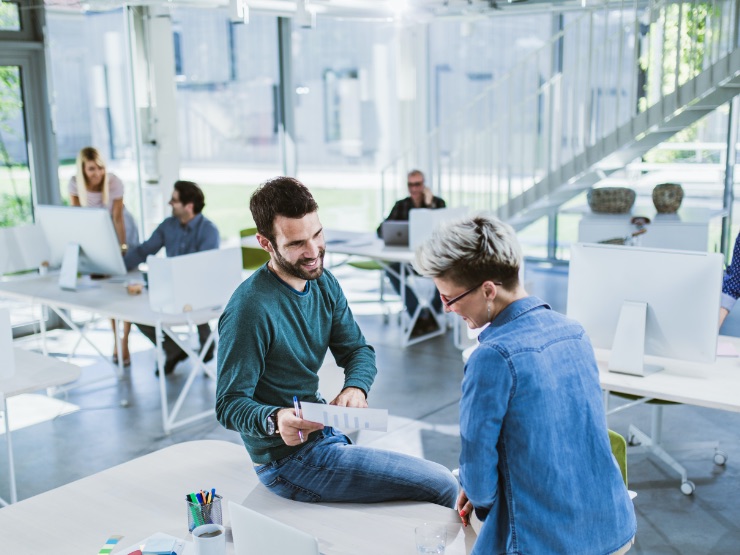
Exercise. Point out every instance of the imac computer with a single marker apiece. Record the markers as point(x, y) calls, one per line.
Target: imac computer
point(81, 240)
point(639, 302)
point(423, 222)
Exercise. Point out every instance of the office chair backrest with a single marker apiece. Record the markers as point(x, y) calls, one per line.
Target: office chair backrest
point(619, 450)
point(22, 248)
point(252, 257)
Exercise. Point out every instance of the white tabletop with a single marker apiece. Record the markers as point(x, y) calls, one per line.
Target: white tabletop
point(365, 244)
point(715, 386)
point(356, 243)
point(34, 371)
point(107, 298)
point(147, 495)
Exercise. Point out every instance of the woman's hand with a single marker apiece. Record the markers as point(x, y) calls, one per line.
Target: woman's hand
point(464, 508)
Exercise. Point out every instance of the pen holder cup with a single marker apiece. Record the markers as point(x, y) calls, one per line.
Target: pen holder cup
point(210, 513)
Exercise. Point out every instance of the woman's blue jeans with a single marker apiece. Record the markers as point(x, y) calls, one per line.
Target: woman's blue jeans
point(331, 469)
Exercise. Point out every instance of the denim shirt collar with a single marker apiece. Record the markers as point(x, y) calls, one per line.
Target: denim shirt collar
point(193, 223)
point(512, 312)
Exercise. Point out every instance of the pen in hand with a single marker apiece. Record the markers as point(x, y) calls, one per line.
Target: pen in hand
point(297, 406)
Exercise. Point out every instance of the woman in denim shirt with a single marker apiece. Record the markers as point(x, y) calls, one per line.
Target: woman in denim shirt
point(536, 464)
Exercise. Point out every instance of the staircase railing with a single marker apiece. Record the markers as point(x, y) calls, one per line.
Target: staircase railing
point(604, 67)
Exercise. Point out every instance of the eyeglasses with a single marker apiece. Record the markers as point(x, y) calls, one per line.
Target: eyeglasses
point(174, 200)
point(449, 302)
point(415, 183)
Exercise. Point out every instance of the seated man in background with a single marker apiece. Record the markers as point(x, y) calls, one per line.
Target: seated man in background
point(185, 232)
point(420, 196)
point(274, 335)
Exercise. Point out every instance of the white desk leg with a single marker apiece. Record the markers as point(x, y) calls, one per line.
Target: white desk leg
point(8, 439)
point(162, 385)
point(119, 347)
point(42, 327)
point(197, 366)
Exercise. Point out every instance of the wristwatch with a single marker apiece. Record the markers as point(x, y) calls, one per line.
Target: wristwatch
point(124, 248)
point(271, 424)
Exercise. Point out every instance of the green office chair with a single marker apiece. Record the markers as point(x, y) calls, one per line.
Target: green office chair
point(252, 257)
point(374, 266)
point(653, 442)
point(619, 450)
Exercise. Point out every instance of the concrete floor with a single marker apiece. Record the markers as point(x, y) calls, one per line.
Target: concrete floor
point(420, 387)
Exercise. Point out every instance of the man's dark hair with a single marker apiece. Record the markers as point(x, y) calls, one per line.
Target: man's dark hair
point(190, 192)
point(280, 196)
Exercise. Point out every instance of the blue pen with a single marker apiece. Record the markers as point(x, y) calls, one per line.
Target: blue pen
point(297, 406)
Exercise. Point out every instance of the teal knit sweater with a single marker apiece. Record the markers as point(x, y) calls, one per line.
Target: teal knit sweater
point(272, 342)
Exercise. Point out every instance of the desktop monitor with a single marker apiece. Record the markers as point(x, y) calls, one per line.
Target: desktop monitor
point(423, 222)
point(87, 231)
point(638, 302)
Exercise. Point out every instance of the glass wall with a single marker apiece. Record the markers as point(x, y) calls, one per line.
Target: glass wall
point(227, 82)
point(15, 176)
point(346, 112)
point(91, 94)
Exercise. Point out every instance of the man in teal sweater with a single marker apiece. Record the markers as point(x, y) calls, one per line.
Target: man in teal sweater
point(274, 335)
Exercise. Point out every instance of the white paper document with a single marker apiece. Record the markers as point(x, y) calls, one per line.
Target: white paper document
point(346, 418)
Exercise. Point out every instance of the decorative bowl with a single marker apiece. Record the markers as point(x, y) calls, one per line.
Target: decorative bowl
point(611, 200)
point(667, 197)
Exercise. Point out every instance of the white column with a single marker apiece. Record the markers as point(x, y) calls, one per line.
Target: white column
point(155, 109)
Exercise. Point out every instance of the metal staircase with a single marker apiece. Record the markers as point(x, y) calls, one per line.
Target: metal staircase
point(621, 80)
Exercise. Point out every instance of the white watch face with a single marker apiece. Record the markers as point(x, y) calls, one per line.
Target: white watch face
point(270, 425)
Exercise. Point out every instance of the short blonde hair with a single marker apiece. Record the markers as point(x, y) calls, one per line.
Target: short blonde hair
point(90, 154)
point(471, 251)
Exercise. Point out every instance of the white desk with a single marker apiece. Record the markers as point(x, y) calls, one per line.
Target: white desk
point(111, 300)
point(367, 245)
point(714, 386)
point(147, 495)
point(686, 230)
point(32, 373)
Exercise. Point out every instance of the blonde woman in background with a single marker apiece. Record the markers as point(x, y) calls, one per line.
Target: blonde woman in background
point(94, 187)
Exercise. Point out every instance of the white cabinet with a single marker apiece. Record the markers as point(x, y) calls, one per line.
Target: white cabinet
point(686, 230)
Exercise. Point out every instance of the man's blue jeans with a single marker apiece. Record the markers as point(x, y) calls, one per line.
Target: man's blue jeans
point(330, 469)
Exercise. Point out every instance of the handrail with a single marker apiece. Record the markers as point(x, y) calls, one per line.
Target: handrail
point(618, 62)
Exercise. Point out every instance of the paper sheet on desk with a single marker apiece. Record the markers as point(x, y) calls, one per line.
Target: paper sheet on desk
point(156, 544)
point(726, 349)
point(346, 418)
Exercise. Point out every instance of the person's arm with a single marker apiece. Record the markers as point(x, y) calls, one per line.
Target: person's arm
point(138, 254)
point(486, 390)
point(75, 200)
point(731, 283)
point(118, 222)
point(723, 312)
point(350, 351)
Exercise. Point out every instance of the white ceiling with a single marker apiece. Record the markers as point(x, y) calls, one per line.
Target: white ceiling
point(412, 10)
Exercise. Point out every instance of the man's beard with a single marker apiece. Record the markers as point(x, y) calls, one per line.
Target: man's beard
point(296, 270)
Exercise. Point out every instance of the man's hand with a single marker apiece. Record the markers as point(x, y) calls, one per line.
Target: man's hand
point(289, 424)
point(351, 397)
point(428, 196)
point(464, 508)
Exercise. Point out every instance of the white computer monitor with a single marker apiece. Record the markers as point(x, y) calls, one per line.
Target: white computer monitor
point(87, 231)
point(423, 221)
point(639, 302)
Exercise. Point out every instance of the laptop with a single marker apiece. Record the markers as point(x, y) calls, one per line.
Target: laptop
point(257, 534)
point(395, 233)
